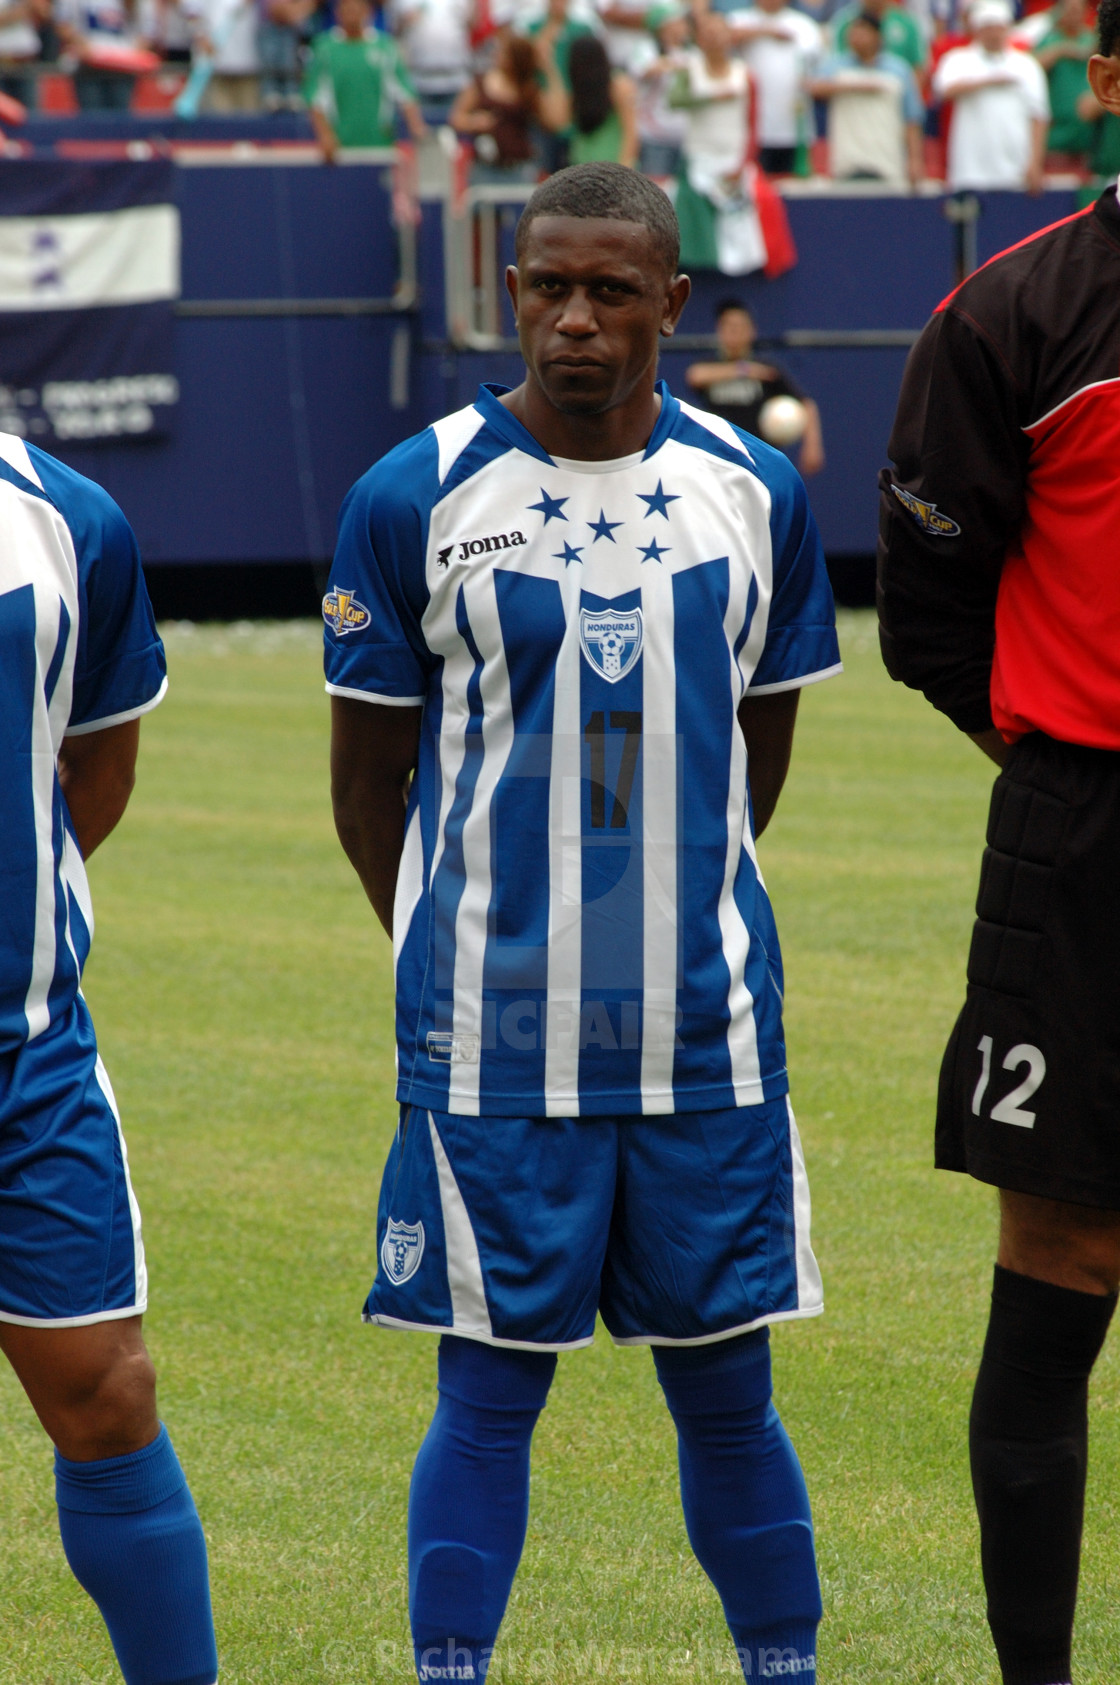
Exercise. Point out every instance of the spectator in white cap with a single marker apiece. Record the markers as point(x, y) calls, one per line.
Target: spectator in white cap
point(1001, 108)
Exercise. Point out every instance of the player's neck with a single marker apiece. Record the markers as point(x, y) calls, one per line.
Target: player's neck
point(619, 431)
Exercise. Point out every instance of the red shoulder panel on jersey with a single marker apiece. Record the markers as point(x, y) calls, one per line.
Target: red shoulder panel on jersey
point(1017, 247)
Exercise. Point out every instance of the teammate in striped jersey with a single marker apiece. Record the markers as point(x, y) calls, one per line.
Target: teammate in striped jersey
point(80, 662)
point(567, 629)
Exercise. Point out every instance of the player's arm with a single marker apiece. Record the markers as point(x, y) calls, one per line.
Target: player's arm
point(767, 724)
point(811, 457)
point(373, 757)
point(97, 772)
point(947, 513)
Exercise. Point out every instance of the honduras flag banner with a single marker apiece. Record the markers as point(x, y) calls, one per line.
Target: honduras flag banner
point(89, 275)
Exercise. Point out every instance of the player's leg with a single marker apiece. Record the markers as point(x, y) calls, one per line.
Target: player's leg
point(72, 1287)
point(129, 1525)
point(1052, 1301)
point(492, 1232)
point(744, 1497)
point(711, 1236)
point(1027, 1101)
point(468, 1503)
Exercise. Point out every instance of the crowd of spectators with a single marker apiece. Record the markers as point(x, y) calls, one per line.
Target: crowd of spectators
point(686, 90)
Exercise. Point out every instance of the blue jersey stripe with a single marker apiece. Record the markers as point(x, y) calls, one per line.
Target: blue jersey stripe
point(450, 875)
point(611, 798)
point(515, 969)
point(704, 724)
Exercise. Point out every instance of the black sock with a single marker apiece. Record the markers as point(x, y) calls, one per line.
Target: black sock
point(1028, 1441)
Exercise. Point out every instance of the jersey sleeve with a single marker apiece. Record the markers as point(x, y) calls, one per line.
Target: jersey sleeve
point(947, 513)
point(377, 593)
point(801, 645)
point(120, 671)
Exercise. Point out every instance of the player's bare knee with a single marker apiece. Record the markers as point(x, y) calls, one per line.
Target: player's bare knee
point(109, 1412)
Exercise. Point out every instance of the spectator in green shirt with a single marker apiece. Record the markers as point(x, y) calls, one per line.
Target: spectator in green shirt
point(1064, 53)
point(901, 34)
point(357, 82)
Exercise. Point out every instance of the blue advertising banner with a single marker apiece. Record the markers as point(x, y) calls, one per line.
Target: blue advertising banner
point(89, 275)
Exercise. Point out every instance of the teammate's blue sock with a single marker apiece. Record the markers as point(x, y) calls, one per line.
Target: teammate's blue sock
point(468, 1505)
point(745, 1503)
point(134, 1541)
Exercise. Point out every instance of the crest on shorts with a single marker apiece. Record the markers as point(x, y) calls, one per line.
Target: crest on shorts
point(343, 612)
point(402, 1250)
point(611, 640)
point(926, 515)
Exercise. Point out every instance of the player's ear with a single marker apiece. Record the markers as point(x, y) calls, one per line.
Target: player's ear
point(1104, 79)
point(511, 287)
point(676, 297)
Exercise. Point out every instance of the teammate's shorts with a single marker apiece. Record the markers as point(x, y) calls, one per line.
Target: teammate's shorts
point(680, 1229)
point(70, 1246)
point(1030, 1084)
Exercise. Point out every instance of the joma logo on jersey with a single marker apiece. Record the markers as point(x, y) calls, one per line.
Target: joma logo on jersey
point(927, 515)
point(611, 640)
point(402, 1250)
point(469, 547)
point(344, 613)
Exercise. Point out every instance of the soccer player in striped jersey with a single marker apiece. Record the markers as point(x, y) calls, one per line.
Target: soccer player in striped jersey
point(80, 662)
point(567, 630)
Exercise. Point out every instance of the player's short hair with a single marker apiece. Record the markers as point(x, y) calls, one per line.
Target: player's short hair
point(1108, 27)
point(726, 305)
point(611, 191)
point(870, 20)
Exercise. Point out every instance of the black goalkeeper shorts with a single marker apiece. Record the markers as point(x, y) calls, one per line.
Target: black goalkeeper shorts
point(1029, 1097)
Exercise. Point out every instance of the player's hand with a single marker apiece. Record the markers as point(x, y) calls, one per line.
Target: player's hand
point(811, 458)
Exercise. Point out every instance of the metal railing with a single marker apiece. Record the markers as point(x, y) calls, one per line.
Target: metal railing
point(475, 286)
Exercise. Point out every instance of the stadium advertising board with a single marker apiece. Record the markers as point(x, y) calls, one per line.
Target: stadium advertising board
point(89, 275)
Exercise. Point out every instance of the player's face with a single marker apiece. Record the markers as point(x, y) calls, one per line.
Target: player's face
point(591, 298)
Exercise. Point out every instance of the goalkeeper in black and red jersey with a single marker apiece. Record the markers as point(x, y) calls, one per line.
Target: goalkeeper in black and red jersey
point(999, 597)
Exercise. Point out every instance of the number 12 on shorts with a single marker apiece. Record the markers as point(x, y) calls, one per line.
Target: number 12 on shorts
point(1010, 1108)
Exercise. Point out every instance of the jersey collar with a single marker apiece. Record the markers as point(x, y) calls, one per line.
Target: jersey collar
point(510, 429)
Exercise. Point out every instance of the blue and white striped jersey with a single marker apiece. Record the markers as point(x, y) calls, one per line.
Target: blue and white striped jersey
point(580, 926)
point(78, 652)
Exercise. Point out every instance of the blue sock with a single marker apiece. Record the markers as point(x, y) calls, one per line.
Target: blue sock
point(468, 1505)
point(132, 1536)
point(745, 1503)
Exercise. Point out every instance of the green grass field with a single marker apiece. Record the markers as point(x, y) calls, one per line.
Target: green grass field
point(242, 995)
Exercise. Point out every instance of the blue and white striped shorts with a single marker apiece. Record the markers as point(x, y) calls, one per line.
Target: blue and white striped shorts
point(679, 1229)
point(70, 1246)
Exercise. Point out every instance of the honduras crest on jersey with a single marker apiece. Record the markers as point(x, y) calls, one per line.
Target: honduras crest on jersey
point(402, 1250)
point(611, 641)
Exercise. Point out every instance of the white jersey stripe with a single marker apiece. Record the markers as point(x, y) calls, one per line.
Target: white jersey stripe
point(410, 884)
point(48, 630)
point(660, 843)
